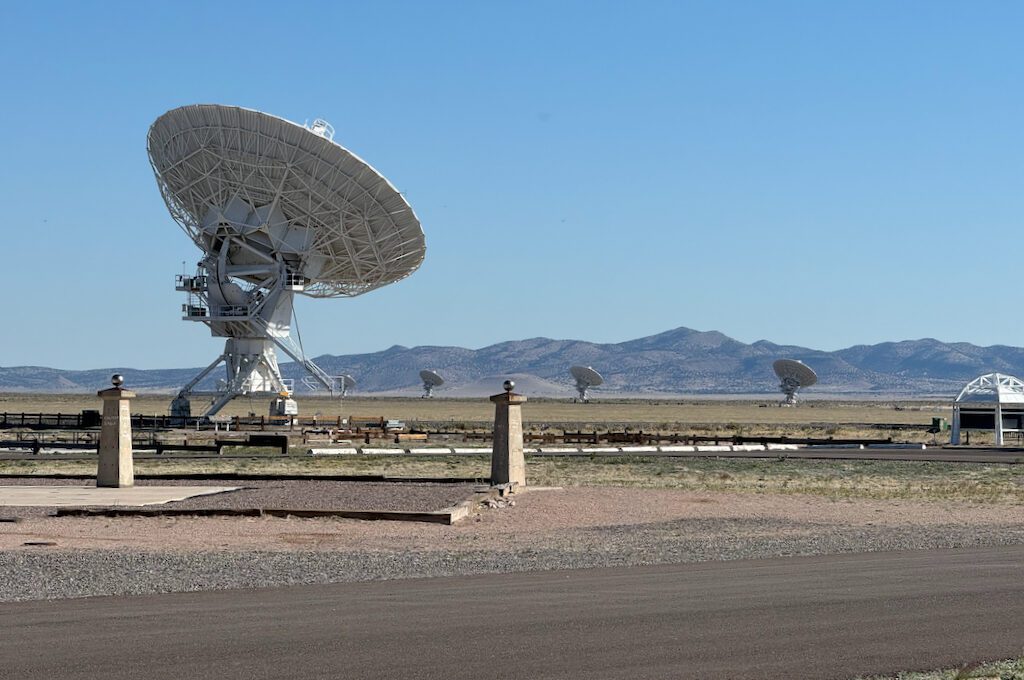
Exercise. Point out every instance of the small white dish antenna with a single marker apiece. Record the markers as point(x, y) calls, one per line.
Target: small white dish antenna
point(347, 382)
point(430, 380)
point(586, 377)
point(794, 374)
point(342, 384)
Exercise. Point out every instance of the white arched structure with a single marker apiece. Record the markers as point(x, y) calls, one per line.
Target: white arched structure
point(989, 402)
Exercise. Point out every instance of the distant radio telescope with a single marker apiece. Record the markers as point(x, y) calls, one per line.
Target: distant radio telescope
point(346, 382)
point(342, 384)
point(430, 380)
point(586, 377)
point(277, 209)
point(794, 375)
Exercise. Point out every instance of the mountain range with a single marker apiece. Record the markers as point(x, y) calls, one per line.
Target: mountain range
point(676, 362)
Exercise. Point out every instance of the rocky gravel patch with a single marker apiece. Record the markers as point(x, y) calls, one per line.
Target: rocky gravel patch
point(45, 557)
point(51, 572)
point(290, 494)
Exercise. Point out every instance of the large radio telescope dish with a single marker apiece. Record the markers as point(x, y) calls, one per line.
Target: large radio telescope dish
point(430, 380)
point(278, 209)
point(794, 374)
point(586, 377)
point(287, 190)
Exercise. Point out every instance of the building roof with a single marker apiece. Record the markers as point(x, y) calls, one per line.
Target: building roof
point(993, 388)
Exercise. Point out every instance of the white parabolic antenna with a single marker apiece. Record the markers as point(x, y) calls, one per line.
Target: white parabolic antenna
point(430, 380)
point(794, 374)
point(344, 383)
point(277, 209)
point(586, 377)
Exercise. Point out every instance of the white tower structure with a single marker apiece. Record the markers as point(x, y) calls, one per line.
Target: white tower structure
point(278, 209)
point(993, 401)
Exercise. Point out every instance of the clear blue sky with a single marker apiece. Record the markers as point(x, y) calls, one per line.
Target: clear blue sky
point(817, 173)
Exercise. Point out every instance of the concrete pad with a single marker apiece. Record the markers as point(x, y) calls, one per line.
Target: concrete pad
point(69, 496)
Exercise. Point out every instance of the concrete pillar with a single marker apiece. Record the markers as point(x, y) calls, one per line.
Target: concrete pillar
point(116, 467)
point(508, 465)
point(999, 424)
point(954, 437)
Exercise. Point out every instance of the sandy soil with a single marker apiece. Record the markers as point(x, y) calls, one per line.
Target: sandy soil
point(540, 519)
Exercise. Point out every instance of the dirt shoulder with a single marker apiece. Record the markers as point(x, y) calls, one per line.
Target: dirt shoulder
point(539, 520)
point(44, 557)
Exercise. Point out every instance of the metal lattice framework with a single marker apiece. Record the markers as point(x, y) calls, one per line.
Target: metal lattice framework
point(993, 401)
point(993, 387)
point(337, 221)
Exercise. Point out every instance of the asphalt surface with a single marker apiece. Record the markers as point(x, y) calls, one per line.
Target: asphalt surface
point(812, 617)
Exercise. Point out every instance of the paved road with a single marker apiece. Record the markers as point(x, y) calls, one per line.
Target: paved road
point(811, 617)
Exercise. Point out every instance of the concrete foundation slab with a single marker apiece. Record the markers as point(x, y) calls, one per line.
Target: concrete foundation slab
point(72, 496)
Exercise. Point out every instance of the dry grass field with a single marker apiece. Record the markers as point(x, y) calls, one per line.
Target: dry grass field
point(658, 413)
point(852, 419)
point(837, 480)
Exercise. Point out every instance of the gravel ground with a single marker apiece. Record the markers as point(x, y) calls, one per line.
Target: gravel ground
point(62, 573)
point(285, 494)
point(568, 529)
